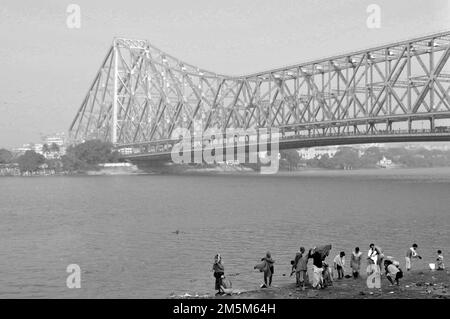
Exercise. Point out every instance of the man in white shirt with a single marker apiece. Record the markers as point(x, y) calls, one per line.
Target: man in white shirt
point(411, 253)
point(372, 253)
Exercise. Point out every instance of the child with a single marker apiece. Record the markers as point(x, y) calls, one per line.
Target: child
point(393, 272)
point(440, 261)
point(327, 278)
point(339, 263)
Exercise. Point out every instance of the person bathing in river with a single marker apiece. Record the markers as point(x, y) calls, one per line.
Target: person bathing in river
point(219, 271)
point(355, 262)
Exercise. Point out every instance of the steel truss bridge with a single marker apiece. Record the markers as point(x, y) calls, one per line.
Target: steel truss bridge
point(391, 93)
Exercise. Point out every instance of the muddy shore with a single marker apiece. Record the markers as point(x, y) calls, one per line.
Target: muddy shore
point(417, 284)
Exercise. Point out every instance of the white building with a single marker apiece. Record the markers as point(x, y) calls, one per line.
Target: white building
point(37, 148)
point(58, 139)
point(313, 152)
point(28, 147)
point(384, 162)
point(21, 150)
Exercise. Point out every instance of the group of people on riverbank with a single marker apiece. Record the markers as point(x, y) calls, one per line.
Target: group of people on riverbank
point(376, 260)
point(323, 274)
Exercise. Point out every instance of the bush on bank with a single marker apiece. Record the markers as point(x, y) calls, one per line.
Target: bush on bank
point(87, 155)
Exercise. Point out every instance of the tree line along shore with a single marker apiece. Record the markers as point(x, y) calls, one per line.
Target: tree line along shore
point(347, 157)
point(80, 158)
point(87, 156)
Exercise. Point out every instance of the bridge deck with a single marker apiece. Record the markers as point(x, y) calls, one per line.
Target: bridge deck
point(313, 141)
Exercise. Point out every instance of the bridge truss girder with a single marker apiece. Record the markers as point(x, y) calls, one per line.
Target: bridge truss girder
point(141, 94)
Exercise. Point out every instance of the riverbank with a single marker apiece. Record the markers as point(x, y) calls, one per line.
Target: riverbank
point(116, 169)
point(418, 284)
point(126, 168)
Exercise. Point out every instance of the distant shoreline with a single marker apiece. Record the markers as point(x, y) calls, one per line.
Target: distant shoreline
point(238, 170)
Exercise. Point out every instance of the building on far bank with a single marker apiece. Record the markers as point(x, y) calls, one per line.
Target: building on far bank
point(46, 147)
point(37, 147)
point(27, 147)
point(430, 146)
point(313, 152)
point(58, 139)
point(385, 163)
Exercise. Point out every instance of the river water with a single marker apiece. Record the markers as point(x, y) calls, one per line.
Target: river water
point(121, 230)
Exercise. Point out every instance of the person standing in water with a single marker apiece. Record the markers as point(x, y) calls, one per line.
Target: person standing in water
point(219, 271)
point(355, 262)
point(268, 269)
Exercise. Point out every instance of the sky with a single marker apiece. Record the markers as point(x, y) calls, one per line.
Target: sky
point(46, 67)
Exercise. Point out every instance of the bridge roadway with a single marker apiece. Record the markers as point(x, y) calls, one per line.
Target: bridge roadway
point(299, 141)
